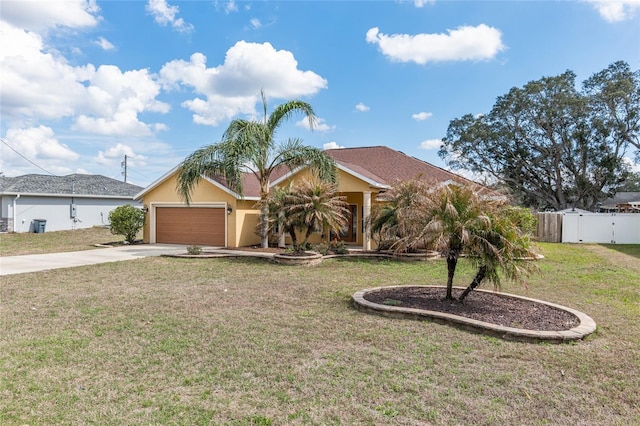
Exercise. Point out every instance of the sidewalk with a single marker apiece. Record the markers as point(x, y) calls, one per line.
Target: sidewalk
point(10, 265)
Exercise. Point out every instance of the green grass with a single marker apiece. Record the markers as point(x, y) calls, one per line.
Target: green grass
point(246, 342)
point(14, 244)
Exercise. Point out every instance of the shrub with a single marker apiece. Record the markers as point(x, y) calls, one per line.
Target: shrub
point(194, 250)
point(126, 220)
point(338, 247)
point(322, 248)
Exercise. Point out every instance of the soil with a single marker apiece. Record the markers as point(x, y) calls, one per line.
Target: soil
point(258, 249)
point(482, 306)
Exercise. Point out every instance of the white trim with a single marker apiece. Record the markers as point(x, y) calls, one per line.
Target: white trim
point(167, 175)
point(215, 205)
point(371, 182)
point(339, 166)
point(286, 176)
point(42, 194)
point(229, 191)
point(155, 183)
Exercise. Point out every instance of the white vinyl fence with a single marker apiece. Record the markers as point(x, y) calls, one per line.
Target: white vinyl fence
point(604, 228)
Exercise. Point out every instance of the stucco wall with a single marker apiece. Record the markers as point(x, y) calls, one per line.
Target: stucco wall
point(57, 212)
point(240, 223)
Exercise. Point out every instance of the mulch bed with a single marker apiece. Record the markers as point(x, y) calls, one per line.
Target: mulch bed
point(481, 306)
point(258, 249)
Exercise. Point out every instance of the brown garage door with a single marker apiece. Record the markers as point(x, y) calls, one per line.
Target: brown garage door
point(190, 225)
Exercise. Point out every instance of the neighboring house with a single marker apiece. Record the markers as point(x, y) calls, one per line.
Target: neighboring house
point(64, 202)
point(622, 202)
point(218, 216)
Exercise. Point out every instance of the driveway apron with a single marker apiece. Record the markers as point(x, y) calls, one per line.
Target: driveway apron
point(10, 265)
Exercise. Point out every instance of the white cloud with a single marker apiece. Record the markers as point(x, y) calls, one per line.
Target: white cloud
point(255, 23)
point(421, 116)
point(421, 3)
point(114, 100)
point(115, 154)
point(230, 6)
point(462, 44)
point(35, 85)
point(42, 15)
point(40, 146)
point(633, 166)
point(233, 87)
point(616, 10)
point(320, 125)
point(332, 145)
point(164, 14)
point(362, 107)
point(105, 44)
point(431, 144)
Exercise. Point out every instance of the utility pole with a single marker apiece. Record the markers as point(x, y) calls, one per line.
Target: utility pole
point(124, 166)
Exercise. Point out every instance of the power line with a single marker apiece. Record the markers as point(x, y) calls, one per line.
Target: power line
point(16, 151)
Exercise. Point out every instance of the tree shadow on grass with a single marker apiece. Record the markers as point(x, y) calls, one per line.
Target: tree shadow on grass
point(628, 249)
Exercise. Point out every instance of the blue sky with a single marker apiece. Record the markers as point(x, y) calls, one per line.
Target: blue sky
point(84, 83)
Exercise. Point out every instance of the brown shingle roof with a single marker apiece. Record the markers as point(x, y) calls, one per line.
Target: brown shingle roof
point(385, 165)
point(379, 164)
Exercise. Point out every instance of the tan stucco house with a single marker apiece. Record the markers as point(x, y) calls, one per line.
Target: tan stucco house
point(218, 216)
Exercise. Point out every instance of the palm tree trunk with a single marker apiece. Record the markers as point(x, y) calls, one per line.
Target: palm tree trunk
point(294, 238)
point(477, 280)
point(452, 261)
point(264, 217)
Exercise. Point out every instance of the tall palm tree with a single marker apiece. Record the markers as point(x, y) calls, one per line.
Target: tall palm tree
point(314, 205)
point(249, 146)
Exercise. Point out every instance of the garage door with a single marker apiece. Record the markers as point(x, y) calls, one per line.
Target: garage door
point(190, 225)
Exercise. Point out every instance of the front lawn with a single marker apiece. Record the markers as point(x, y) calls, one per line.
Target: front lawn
point(244, 341)
point(14, 244)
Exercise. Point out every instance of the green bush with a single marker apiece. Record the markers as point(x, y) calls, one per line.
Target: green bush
point(126, 220)
point(338, 247)
point(194, 250)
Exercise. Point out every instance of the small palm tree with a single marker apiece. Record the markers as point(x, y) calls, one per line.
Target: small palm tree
point(313, 205)
point(449, 218)
point(503, 246)
point(399, 200)
point(249, 146)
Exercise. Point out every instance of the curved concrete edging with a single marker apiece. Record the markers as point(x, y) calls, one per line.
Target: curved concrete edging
point(587, 324)
point(310, 259)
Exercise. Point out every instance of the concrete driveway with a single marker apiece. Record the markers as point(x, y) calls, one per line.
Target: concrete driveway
point(10, 265)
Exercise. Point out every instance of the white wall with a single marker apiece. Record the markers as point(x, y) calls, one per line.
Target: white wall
point(57, 212)
point(603, 228)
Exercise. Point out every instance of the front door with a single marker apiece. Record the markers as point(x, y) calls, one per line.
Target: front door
point(349, 233)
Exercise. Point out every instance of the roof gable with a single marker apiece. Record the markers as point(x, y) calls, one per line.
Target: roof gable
point(386, 166)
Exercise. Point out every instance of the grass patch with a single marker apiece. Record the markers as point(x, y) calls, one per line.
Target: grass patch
point(14, 244)
point(245, 342)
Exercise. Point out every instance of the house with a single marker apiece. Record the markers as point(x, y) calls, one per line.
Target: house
point(33, 203)
point(622, 202)
point(217, 216)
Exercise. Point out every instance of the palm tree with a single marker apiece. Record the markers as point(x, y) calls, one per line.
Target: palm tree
point(249, 146)
point(451, 219)
point(313, 206)
point(400, 200)
point(503, 246)
point(276, 204)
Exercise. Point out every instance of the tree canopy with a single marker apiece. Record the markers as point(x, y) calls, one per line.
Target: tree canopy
point(551, 144)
